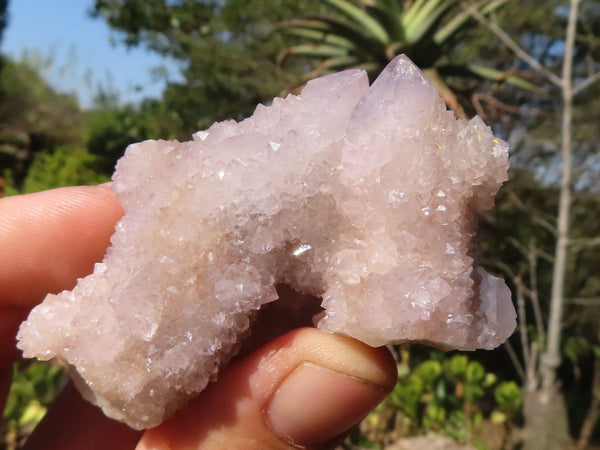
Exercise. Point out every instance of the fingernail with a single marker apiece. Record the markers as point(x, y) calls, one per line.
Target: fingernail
point(314, 404)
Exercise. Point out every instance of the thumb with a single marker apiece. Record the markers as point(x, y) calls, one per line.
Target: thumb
point(302, 390)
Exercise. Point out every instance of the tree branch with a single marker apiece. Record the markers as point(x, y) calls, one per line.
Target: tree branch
point(516, 244)
point(515, 360)
point(533, 281)
point(514, 198)
point(526, 251)
point(480, 99)
point(503, 267)
point(594, 412)
point(578, 244)
point(444, 90)
point(510, 43)
point(551, 358)
point(522, 320)
point(586, 83)
point(583, 301)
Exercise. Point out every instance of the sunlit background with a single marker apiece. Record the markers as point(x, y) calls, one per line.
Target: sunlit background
point(82, 79)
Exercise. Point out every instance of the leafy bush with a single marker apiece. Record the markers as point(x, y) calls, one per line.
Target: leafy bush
point(448, 394)
point(34, 387)
point(64, 166)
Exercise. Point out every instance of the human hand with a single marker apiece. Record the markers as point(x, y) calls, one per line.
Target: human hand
point(300, 390)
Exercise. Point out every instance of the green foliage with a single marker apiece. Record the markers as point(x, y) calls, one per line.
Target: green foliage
point(428, 371)
point(407, 395)
point(225, 49)
point(8, 187)
point(434, 417)
point(475, 376)
point(452, 395)
point(509, 401)
point(33, 117)
point(34, 387)
point(457, 366)
point(575, 347)
point(509, 398)
point(29, 105)
point(110, 128)
point(64, 166)
point(3, 17)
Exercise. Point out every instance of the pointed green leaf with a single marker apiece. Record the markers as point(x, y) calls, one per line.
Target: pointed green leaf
point(525, 85)
point(372, 68)
point(363, 19)
point(431, 7)
point(497, 75)
point(492, 6)
point(461, 18)
point(309, 24)
point(341, 62)
point(330, 65)
point(387, 6)
point(389, 14)
point(363, 42)
point(319, 36)
point(342, 34)
point(451, 27)
point(317, 50)
point(410, 14)
point(425, 18)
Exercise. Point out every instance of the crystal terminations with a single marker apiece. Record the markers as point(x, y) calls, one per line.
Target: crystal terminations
point(363, 196)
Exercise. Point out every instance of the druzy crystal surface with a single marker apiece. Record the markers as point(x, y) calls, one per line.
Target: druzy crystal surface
point(363, 196)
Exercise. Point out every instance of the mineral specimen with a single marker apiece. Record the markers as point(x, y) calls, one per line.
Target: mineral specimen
point(362, 196)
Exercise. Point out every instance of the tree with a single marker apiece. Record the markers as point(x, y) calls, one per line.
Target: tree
point(111, 127)
point(225, 50)
point(33, 117)
point(577, 62)
point(63, 166)
point(3, 17)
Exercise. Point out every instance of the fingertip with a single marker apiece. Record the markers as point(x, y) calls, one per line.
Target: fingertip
point(347, 355)
point(51, 238)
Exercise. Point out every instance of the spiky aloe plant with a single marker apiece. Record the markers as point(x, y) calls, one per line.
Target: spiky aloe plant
point(369, 33)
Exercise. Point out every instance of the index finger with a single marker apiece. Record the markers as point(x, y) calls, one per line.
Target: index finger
point(51, 238)
point(47, 241)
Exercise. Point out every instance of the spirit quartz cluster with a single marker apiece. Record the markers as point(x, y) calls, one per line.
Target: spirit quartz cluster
point(362, 196)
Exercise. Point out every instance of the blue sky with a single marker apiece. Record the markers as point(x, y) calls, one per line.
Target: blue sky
point(79, 47)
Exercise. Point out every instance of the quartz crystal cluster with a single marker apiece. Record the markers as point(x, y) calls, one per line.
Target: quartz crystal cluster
point(363, 196)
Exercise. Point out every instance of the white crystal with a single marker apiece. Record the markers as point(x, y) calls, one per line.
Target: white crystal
point(362, 196)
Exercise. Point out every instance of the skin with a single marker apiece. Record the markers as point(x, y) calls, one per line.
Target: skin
point(300, 389)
